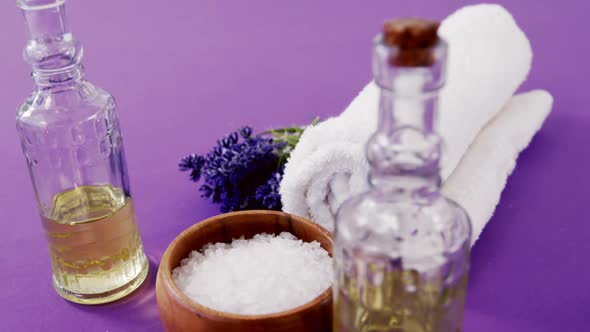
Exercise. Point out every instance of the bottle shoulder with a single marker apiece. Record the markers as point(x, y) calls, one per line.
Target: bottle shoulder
point(403, 225)
point(62, 106)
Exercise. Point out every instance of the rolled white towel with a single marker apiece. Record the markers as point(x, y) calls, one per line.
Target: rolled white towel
point(479, 178)
point(328, 164)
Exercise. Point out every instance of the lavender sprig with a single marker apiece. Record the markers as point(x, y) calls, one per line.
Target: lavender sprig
point(242, 171)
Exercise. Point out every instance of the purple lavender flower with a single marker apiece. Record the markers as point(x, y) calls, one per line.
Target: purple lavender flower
point(243, 172)
point(192, 163)
point(235, 168)
point(268, 195)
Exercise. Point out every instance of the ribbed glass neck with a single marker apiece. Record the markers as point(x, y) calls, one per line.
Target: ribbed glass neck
point(52, 51)
point(404, 152)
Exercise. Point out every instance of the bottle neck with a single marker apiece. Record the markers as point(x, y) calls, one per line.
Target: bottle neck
point(404, 153)
point(59, 79)
point(52, 51)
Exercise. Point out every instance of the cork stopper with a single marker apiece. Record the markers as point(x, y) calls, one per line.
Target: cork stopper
point(415, 39)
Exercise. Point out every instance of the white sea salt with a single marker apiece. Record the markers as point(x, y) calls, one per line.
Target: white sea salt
point(262, 275)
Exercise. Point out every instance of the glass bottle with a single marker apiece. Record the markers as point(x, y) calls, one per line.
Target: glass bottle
point(402, 249)
point(72, 143)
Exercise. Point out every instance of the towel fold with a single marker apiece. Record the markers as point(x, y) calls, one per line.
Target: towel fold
point(478, 180)
point(328, 164)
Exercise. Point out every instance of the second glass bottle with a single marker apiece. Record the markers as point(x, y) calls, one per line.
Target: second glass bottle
point(402, 249)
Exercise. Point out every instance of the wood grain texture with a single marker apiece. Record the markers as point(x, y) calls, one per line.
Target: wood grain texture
point(179, 313)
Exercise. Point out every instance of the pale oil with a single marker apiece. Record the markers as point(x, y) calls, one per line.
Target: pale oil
point(94, 244)
point(398, 301)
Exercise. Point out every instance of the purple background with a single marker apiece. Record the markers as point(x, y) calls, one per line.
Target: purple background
point(185, 74)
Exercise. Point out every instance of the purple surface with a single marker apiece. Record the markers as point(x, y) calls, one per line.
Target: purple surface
point(185, 74)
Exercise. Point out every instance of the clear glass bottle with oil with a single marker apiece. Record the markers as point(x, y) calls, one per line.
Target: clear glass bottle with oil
point(72, 143)
point(402, 249)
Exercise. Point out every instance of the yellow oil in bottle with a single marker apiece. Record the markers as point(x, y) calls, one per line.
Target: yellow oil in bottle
point(400, 301)
point(94, 243)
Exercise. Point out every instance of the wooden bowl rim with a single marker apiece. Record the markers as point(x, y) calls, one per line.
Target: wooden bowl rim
point(165, 273)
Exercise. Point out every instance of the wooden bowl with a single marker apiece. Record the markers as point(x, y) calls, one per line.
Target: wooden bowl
point(179, 313)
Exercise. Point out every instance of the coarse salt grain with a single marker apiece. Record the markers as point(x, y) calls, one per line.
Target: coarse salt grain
point(262, 275)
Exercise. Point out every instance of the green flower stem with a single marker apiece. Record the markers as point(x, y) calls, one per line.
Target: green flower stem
point(290, 136)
